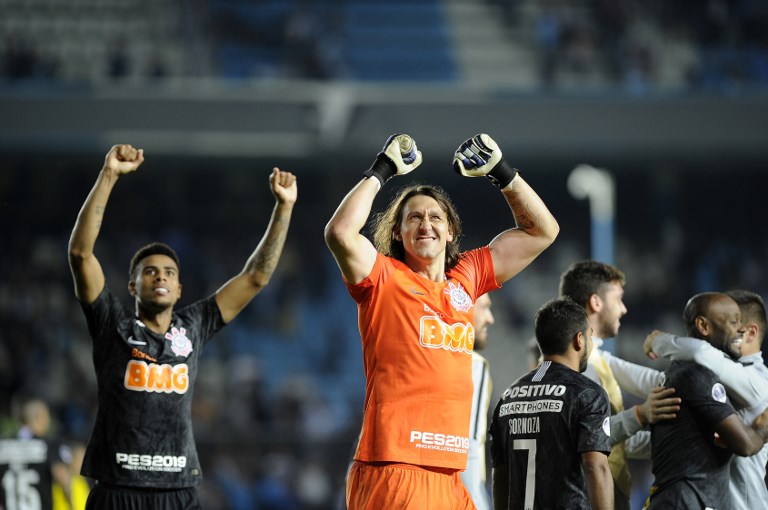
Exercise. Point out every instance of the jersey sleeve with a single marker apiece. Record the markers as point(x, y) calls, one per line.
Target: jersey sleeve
point(633, 378)
point(639, 445)
point(209, 315)
point(624, 425)
point(102, 316)
point(477, 266)
point(706, 396)
point(361, 290)
point(593, 416)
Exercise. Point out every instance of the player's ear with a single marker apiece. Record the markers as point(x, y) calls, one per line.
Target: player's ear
point(396, 234)
point(703, 325)
point(579, 342)
point(594, 303)
point(131, 287)
point(750, 331)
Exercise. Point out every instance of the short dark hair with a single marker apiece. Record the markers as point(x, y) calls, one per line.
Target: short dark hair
point(752, 307)
point(587, 277)
point(148, 250)
point(698, 306)
point(385, 222)
point(557, 322)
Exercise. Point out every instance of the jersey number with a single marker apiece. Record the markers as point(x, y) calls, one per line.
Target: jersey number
point(20, 491)
point(530, 474)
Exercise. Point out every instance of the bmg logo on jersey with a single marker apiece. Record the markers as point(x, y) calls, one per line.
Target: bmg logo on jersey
point(154, 378)
point(436, 334)
point(165, 463)
point(437, 441)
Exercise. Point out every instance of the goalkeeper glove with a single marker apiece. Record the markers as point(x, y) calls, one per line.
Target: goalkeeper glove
point(480, 156)
point(390, 161)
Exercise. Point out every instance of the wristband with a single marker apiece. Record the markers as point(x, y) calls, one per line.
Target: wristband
point(382, 168)
point(502, 174)
point(637, 415)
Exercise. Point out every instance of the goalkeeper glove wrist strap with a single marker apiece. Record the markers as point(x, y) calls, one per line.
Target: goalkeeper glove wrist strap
point(502, 174)
point(382, 168)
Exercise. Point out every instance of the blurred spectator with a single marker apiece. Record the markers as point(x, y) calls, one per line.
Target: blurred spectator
point(157, 67)
point(20, 60)
point(118, 61)
point(549, 29)
point(31, 462)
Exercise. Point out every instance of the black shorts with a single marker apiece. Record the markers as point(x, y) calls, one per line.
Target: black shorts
point(113, 497)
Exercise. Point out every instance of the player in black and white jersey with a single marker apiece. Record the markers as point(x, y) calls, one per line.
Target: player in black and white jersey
point(691, 466)
point(474, 477)
point(550, 432)
point(31, 461)
point(142, 452)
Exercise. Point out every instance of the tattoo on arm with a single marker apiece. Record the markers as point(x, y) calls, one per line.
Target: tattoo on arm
point(268, 253)
point(522, 213)
point(98, 211)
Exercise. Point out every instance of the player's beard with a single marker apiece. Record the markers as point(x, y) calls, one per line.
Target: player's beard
point(732, 348)
point(608, 327)
point(583, 359)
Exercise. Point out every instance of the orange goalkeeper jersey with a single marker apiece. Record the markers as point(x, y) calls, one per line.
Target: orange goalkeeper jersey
point(417, 342)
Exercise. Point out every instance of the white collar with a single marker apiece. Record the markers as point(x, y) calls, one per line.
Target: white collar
point(755, 359)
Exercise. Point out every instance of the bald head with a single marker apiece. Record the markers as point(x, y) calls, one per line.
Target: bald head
point(716, 318)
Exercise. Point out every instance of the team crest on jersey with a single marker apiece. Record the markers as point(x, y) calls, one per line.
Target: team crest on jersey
point(718, 392)
point(460, 300)
point(180, 344)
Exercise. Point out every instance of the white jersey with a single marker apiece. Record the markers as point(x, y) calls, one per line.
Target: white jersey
point(748, 473)
point(474, 477)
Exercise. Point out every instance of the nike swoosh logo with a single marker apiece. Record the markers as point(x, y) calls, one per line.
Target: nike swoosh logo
point(133, 341)
point(414, 291)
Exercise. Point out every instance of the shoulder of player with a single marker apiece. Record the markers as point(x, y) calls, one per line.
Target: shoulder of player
point(688, 369)
point(585, 387)
point(687, 376)
point(196, 308)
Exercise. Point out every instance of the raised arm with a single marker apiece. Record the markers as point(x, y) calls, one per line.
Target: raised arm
point(599, 480)
point(241, 289)
point(354, 253)
point(86, 270)
point(535, 227)
point(745, 389)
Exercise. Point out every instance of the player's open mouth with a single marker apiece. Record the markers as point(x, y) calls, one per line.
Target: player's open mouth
point(161, 290)
point(736, 342)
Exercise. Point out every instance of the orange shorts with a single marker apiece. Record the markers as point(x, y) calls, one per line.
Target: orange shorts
point(396, 486)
